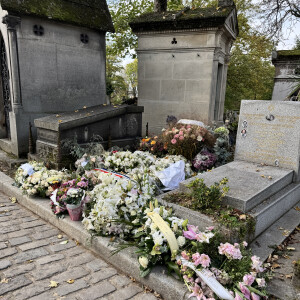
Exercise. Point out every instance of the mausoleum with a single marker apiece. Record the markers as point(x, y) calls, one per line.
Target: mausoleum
point(183, 61)
point(52, 61)
point(287, 72)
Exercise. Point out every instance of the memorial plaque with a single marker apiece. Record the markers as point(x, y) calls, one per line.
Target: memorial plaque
point(272, 136)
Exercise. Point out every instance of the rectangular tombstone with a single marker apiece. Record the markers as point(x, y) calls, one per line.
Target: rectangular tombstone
point(269, 133)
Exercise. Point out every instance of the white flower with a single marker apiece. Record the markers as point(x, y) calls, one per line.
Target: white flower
point(181, 241)
point(143, 260)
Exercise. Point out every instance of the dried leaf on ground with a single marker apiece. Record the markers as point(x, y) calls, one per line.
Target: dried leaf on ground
point(275, 266)
point(70, 281)
point(13, 200)
point(4, 280)
point(291, 248)
point(59, 236)
point(64, 242)
point(53, 284)
point(289, 276)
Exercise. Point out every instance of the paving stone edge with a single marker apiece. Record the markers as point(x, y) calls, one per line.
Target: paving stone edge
point(125, 261)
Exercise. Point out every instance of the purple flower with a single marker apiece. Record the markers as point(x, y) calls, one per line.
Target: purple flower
point(191, 234)
point(248, 279)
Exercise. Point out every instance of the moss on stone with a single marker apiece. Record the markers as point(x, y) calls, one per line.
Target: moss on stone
point(192, 18)
point(87, 13)
point(288, 52)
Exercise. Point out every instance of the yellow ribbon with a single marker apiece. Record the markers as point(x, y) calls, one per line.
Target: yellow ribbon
point(166, 230)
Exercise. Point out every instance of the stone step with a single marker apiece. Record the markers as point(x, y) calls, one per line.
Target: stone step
point(249, 183)
point(270, 210)
point(262, 245)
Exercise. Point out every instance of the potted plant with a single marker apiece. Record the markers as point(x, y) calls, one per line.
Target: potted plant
point(73, 200)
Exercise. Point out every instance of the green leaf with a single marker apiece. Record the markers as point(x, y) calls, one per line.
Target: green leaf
point(145, 272)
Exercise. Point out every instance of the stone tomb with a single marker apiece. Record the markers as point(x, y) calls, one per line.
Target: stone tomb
point(264, 177)
point(119, 125)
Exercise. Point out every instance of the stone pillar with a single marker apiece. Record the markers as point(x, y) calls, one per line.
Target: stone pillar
point(12, 22)
point(223, 91)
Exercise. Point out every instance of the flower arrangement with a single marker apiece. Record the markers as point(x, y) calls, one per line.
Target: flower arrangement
point(230, 264)
point(114, 199)
point(25, 170)
point(204, 160)
point(88, 162)
point(43, 182)
point(58, 203)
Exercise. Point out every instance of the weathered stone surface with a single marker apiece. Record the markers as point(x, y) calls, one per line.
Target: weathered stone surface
point(18, 270)
point(34, 245)
point(271, 134)
point(96, 265)
point(48, 271)
point(96, 291)
point(14, 283)
point(60, 247)
point(64, 290)
point(30, 254)
point(4, 263)
point(247, 187)
point(125, 293)
point(50, 258)
point(33, 290)
point(103, 274)
point(19, 240)
point(7, 252)
point(2, 245)
point(120, 281)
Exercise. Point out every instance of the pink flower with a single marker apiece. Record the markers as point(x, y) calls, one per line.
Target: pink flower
point(180, 132)
point(245, 291)
point(210, 228)
point(191, 234)
point(254, 296)
point(196, 259)
point(184, 255)
point(248, 279)
point(245, 244)
point(189, 126)
point(231, 251)
point(176, 136)
point(197, 292)
point(181, 137)
point(204, 260)
point(173, 141)
point(257, 264)
point(238, 297)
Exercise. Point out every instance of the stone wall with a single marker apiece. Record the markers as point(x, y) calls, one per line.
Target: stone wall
point(181, 79)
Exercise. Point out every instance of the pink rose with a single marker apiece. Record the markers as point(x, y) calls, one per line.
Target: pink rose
point(173, 141)
point(180, 132)
point(176, 136)
point(181, 137)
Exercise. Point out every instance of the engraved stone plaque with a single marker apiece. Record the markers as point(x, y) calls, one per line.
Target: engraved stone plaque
point(273, 134)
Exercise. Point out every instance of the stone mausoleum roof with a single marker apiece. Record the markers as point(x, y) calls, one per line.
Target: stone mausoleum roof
point(290, 55)
point(93, 14)
point(185, 19)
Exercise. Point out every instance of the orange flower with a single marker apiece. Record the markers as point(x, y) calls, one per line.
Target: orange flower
point(153, 142)
point(147, 140)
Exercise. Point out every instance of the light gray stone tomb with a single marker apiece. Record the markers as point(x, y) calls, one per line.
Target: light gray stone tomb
point(52, 61)
point(264, 176)
point(183, 60)
point(287, 72)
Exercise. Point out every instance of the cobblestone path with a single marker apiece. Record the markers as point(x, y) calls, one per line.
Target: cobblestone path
point(32, 254)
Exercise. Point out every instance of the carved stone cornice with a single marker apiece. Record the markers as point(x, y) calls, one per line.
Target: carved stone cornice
point(11, 21)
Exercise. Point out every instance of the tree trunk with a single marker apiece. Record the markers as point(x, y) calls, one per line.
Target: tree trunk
point(160, 5)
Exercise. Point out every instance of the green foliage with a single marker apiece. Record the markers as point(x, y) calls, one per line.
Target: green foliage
point(131, 72)
point(116, 87)
point(250, 72)
point(77, 151)
point(205, 197)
